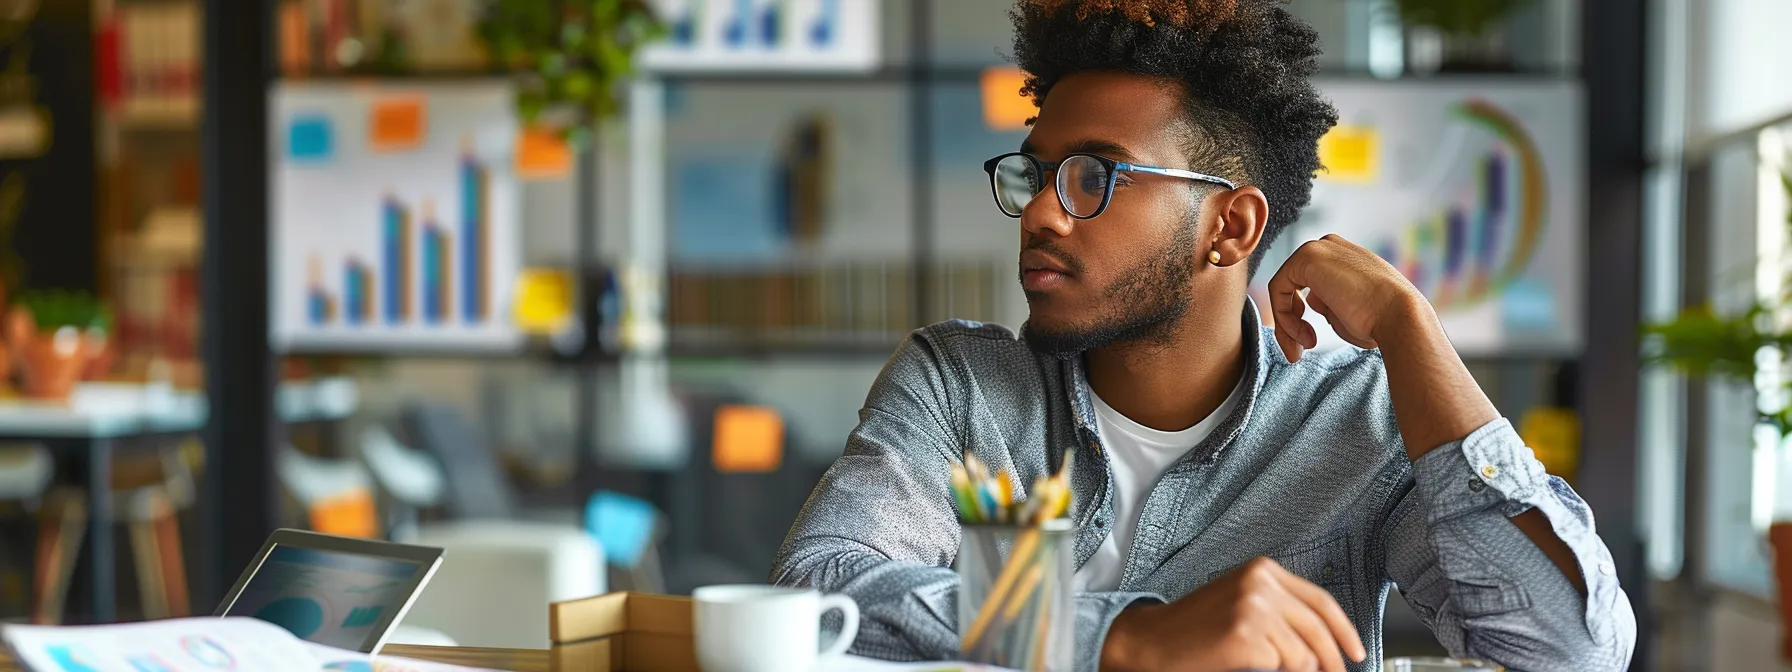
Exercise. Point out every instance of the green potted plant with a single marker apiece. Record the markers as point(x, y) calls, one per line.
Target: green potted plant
point(568, 56)
point(1704, 342)
point(58, 335)
point(1456, 35)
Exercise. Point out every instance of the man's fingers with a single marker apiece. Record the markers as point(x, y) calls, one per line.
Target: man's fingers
point(1312, 630)
point(1293, 653)
point(1326, 608)
point(1290, 349)
point(1342, 330)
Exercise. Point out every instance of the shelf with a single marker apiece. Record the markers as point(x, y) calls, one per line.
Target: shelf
point(175, 114)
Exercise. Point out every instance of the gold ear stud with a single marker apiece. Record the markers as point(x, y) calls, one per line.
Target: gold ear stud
point(1213, 257)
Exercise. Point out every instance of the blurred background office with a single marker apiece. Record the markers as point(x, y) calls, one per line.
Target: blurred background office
point(589, 292)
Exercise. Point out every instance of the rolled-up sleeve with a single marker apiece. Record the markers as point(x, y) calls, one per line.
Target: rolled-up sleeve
point(1484, 587)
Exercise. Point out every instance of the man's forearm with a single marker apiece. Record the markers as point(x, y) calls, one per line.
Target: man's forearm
point(1436, 401)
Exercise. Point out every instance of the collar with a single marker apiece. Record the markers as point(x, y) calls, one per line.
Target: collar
point(1255, 352)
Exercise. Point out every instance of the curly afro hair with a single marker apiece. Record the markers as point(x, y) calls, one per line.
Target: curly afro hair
point(1243, 65)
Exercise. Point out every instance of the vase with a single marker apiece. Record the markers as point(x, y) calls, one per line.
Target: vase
point(1780, 536)
point(51, 363)
point(1431, 51)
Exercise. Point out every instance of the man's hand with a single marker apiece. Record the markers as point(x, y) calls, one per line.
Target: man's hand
point(1360, 294)
point(1260, 616)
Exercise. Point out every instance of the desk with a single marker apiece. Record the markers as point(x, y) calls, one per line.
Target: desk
point(520, 660)
point(83, 429)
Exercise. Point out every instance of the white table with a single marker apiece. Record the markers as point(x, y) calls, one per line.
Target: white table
point(84, 428)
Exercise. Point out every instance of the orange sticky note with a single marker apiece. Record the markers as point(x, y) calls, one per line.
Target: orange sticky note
point(397, 124)
point(350, 514)
point(748, 439)
point(541, 154)
point(1004, 109)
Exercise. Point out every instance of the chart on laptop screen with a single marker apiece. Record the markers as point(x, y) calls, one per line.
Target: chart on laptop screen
point(330, 598)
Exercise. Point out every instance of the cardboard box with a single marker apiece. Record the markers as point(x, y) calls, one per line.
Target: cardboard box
point(622, 632)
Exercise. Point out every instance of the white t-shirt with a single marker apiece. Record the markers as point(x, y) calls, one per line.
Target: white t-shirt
point(1138, 456)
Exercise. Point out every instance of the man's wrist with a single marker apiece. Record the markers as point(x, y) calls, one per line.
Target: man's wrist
point(1122, 648)
point(1406, 319)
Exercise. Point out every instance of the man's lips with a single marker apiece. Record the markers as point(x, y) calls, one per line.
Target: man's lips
point(1036, 260)
point(1041, 272)
point(1040, 280)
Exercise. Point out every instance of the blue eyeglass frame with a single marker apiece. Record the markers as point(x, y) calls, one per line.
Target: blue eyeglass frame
point(1113, 167)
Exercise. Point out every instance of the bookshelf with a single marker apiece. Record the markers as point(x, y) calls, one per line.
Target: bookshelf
point(147, 95)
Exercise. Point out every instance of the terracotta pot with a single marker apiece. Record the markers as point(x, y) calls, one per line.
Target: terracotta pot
point(1780, 535)
point(51, 363)
point(20, 326)
point(6, 355)
point(97, 346)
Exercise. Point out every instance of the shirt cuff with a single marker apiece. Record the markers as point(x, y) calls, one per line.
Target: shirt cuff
point(1491, 468)
point(1095, 612)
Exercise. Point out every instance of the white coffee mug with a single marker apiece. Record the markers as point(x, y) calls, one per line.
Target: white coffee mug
point(753, 628)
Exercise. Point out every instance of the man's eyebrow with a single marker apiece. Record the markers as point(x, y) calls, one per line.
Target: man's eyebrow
point(1105, 148)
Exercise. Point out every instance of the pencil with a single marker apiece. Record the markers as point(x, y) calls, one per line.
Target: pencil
point(1044, 616)
point(1023, 547)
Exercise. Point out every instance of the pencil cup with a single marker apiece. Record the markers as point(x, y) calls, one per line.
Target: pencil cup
point(1016, 603)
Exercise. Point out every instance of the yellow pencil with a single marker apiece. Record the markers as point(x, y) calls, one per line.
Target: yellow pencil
point(1017, 559)
point(1028, 586)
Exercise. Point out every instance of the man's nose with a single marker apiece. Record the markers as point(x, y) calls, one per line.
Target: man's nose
point(1045, 214)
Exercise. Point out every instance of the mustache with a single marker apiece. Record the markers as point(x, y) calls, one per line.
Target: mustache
point(1036, 243)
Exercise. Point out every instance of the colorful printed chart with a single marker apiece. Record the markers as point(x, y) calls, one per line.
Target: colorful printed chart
point(761, 35)
point(1474, 191)
point(395, 217)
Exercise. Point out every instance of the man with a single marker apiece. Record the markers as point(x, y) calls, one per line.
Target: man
point(1239, 505)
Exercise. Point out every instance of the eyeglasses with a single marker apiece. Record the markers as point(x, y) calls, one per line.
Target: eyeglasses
point(1085, 181)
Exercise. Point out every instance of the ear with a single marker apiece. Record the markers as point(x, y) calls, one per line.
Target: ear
point(1242, 214)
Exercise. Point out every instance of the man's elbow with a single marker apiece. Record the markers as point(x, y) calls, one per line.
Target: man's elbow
point(1604, 645)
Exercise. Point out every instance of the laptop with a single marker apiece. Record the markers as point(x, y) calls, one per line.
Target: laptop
point(337, 591)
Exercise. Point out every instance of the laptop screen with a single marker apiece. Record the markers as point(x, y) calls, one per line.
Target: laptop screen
point(329, 597)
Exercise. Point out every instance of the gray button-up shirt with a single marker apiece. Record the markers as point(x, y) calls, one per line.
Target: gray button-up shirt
point(1309, 469)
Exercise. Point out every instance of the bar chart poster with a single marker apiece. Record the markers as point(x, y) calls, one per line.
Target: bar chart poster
point(765, 35)
point(1475, 191)
point(395, 217)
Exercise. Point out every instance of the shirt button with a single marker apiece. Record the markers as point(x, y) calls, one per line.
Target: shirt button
point(1475, 484)
point(1326, 573)
point(1489, 471)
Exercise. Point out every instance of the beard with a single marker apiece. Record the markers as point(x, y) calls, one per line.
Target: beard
point(1141, 306)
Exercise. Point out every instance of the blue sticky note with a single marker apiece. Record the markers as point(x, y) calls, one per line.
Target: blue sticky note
point(1528, 305)
point(310, 139)
point(623, 525)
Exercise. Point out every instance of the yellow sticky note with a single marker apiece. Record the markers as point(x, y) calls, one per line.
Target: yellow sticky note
point(1554, 435)
point(542, 154)
point(1350, 154)
point(748, 439)
point(1004, 109)
point(544, 298)
point(397, 124)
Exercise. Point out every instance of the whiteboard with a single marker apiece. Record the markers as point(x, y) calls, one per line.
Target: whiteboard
point(395, 216)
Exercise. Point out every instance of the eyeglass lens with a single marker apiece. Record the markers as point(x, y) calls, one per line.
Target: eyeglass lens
point(1082, 184)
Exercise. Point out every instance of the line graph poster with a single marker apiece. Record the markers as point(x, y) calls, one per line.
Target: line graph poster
point(395, 222)
point(1475, 191)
